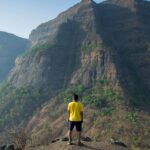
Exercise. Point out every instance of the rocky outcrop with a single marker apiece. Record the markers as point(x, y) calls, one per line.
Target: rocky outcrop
point(49, 30)
point(56, 67)
point(81, 55)
point(96, 65)
point(126, 33)
point(8, 147)
point(92, 48)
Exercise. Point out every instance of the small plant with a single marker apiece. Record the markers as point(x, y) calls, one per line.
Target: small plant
point(131, 117)
point(41, 47)
point(88, 47)
point(107, 111)
point(66, 95)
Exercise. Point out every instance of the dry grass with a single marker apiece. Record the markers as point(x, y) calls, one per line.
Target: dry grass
point(119, 125)
point(18, 137)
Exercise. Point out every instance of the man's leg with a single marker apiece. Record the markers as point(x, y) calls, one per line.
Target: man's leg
point(79, 136)
point(70, 136)
point(71, 126)
point(79, 131)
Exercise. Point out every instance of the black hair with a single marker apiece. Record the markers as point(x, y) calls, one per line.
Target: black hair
point(75, 97)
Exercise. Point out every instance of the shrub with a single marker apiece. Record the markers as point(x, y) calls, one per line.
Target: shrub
point(131, 117)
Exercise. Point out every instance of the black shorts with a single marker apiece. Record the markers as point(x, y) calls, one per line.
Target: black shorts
point(77, 124)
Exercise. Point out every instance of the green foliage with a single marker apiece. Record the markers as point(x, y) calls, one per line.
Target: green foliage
point(131, 117)
point(17, 103)
point(101, 95)
point(40, 47)
point(66, 95)
point(107, 111)
point(148, 47)
point(88, 47)
point(103, 82)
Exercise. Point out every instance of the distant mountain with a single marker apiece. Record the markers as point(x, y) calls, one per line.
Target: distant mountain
point(99, 51)
point(10, 47)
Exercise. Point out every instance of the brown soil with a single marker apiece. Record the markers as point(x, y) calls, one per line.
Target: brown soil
point(86, 146)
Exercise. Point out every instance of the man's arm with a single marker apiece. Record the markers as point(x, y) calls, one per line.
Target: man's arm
point(81, 113)
point(68, 116)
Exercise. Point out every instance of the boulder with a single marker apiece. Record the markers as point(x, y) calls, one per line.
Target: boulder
point(2, 147)
point(86, 139)
point(117, 142)
point(10, 147)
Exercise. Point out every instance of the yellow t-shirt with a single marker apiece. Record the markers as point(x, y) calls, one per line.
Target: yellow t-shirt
point(75, 109)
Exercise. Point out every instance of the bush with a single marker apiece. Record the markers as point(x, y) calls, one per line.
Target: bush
point(101, 95)
point(131, 117)
point(90, 46)
point(17, 103)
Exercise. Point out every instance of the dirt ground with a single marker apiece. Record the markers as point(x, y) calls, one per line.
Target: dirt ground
point(86, 146)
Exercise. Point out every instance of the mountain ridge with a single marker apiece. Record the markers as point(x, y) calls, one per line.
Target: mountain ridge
point(10, 44)
point(130, 4)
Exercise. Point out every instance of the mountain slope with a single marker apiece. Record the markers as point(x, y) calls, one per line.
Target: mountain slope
point(75, 43)
point(101, 52)
point(129, 38)
point(10, 47)
point(109, 44)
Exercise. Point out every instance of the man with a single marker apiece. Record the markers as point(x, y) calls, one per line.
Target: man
point(75, 118)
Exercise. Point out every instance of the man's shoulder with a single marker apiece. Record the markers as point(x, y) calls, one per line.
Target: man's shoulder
point(70, 103)
point(75, 103)
point(80, 103)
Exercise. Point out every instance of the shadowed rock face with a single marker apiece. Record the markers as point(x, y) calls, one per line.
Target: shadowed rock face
point(10, 47)
point(78, 54)
point(54, 67)
point(129, 4)
point(128, 35)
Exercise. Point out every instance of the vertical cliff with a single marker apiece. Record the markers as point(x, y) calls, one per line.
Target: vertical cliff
point(74, 54)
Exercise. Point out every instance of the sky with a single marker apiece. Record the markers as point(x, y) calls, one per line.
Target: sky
point(20, 17)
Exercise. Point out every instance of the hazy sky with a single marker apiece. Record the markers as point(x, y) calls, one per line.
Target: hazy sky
point(20, 17)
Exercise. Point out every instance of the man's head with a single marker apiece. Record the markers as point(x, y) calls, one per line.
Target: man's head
point(75, 97)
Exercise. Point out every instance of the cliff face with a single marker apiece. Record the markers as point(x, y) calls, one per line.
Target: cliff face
point(75, 53)
point(128, 4)
point(10, 47)
point(90, 42)
point(126, 32)
point(50, 29)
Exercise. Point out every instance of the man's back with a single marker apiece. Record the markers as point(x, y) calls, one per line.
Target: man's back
point(75, 109)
